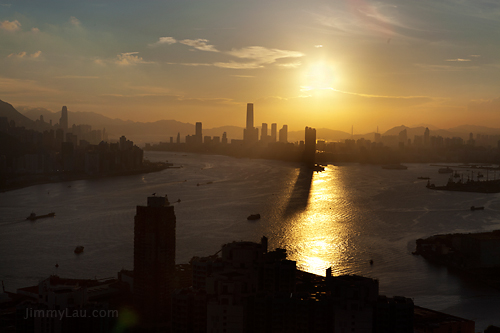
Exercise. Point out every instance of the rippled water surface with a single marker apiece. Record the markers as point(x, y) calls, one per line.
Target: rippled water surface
point(341, 218)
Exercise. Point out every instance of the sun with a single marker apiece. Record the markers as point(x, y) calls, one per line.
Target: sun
point(319, 76)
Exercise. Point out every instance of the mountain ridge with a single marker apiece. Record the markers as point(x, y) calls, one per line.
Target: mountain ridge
point(162, 130)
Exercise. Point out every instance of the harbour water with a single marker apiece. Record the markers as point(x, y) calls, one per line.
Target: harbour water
point(340, 218)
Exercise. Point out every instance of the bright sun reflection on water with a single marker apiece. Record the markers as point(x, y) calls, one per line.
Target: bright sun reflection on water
point(320, 238)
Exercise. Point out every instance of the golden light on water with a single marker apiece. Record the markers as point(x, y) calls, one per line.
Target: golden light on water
point(318, 233)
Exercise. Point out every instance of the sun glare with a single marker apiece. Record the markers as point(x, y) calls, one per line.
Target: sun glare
point(319, 76)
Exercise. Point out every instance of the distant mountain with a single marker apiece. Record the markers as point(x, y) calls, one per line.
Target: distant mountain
point(7, 110)
point(162, 130)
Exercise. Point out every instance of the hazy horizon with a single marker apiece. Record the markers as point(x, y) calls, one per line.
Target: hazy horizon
point(320, 64)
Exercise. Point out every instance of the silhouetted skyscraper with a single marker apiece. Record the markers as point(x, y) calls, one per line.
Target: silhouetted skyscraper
point(274, 129)
point(283, 135)
point(199, 134)
point(427, 140)
point(310, 146)
point(154, 259)
point(263, 132)
point(250, 133)
point(63, 121)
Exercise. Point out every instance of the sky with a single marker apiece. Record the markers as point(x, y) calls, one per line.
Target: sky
point(325, 64)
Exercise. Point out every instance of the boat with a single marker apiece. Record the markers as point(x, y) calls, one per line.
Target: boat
point(486, 186)
point(79, 249)
point(253, 217)
point(445, 170)
point(473, 208)
point(34, 217)
point(394, 167)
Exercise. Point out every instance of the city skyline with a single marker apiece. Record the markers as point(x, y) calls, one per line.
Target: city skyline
point(330, 65)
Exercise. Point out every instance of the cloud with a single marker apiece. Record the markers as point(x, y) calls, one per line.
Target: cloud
point(35, 30)
point(76, 77)
point(74, 21)
point(238, 65)
point(17, 55)
point(318, 46)
point(290, 64)
point(24, 55)
point(130, 58)
point(199, 44)
point(18, 87)
point(458, 60)
point(443, 68)
point(164, 40)
point(10, 26)
point(36, 54)
point(491, 105)
point(264, 55)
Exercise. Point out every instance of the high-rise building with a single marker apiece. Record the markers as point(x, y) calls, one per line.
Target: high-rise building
point(274, 128)
point(310, 146)
point(249, 115)
point(199, 135)
point(250, 133)
point(427, 140)
point(154, 259)
point(263, 132)
point(283, 134)
point(63, 121)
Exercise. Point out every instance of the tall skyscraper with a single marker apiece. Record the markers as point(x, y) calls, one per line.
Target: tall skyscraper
point(283, 134)
point(263, 132)
point(250, 133)
point(63, 121)
point(427, 140)
point(154, 259)
point(310, 146)
point(199, 134)
point(274, 128)
point(249, 115)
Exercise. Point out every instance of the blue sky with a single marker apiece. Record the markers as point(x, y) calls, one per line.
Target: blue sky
point(317, 63)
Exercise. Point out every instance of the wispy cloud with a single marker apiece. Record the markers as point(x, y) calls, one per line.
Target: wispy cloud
point(238, 65)
point(263, 55)
point(18, 87)
point(24, 55)
point(130, 58)
point(10, 26)
point(74, 21)
point(458, 60)
point(76, 77)
point(199, 44)
point(444, 68)
point(164, 40)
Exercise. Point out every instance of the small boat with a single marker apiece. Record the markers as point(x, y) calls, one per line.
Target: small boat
point(371, 261)
point(473, 208)
point(445, 170)
point(34, 217)
point(79, 249)
point(253, 217)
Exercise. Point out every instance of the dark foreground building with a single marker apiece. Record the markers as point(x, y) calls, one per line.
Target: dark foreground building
point(154, 260)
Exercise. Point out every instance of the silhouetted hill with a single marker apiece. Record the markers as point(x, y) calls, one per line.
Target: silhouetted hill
point(412, 131)
point(7, 110)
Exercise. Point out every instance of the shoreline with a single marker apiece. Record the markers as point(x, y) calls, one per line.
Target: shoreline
point(65, 177)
